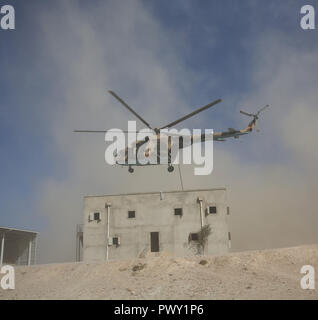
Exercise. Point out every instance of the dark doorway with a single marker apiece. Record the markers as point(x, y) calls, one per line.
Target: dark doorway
point(154, 241)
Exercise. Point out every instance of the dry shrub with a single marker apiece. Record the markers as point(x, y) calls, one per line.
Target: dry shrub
point(138, 267)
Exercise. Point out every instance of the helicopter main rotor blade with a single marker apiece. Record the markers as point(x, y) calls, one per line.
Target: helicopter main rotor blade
point(129, 108)
point(171, 134)
point(104, 131)
point(246, 113)
point(89, 131)
point(262, 109)
point(191, 114)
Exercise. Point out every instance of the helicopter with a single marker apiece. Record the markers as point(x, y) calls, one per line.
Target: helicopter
point(161, 136)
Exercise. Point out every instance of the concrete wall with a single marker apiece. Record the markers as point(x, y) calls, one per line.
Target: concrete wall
point(154, 213)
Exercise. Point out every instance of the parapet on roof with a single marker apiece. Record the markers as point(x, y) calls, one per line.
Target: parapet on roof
point(156, 192)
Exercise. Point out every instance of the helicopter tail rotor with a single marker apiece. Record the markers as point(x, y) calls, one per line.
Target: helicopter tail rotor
point(254, 116)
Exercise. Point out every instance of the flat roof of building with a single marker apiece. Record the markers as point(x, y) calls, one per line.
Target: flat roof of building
point(155, 192)
point(17, 230)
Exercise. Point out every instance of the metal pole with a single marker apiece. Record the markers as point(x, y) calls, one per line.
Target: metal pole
point(30, 251)
point(201, 216)
point(77, 245)
point(230, 244)
point(201, 212)
point(2, 249)
point(35, 248)
point(79, 249)
point(108, 212)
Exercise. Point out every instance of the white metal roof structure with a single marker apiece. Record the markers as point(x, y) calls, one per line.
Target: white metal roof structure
point(17, 246)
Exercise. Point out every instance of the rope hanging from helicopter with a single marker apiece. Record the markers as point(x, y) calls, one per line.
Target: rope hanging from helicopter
point(180, 175)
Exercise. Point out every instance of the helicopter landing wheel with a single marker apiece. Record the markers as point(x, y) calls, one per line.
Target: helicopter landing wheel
point(170, 168)
point(131, 170)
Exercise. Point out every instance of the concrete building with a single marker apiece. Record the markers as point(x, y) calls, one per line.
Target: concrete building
point(134, 225)
point(17, 247)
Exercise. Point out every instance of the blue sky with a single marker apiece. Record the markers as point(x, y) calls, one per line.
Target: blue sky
point(204, 50)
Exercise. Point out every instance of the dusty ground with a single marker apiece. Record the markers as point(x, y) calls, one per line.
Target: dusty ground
point(267, 274)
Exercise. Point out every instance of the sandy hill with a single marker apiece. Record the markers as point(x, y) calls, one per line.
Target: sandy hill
point(266, 274)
